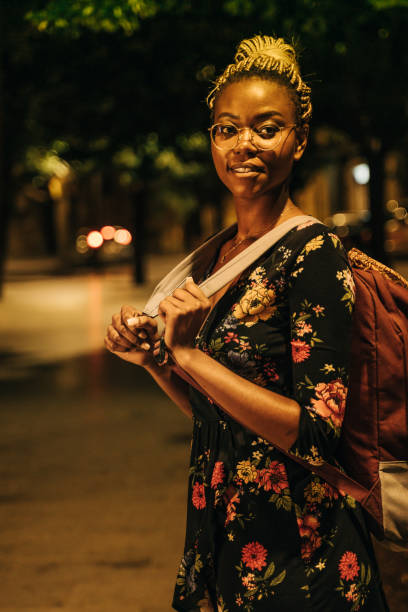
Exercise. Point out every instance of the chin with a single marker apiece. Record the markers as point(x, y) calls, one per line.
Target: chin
point(247, 189)
point(248, 193)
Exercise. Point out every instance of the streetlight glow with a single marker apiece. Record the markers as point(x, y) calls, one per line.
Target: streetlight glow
point(361, 174)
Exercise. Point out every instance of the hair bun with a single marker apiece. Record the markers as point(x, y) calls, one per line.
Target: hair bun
point(265, 48)
point(265, 55)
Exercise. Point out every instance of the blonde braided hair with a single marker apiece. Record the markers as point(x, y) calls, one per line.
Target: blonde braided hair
point(267, 57)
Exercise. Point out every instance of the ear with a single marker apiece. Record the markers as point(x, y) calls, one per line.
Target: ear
point(301, 141)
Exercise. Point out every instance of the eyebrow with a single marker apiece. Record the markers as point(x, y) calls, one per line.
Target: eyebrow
point(259, 116)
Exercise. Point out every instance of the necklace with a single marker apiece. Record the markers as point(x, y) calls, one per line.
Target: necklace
point(237, 244)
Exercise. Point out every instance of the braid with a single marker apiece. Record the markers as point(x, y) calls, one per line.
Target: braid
point(267, 57)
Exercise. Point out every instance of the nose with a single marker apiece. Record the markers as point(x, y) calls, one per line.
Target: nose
point(245, 139)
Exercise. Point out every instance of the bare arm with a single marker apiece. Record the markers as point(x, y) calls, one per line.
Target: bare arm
point(269, 414)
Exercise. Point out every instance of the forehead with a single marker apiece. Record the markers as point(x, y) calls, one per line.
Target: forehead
point(255, 96)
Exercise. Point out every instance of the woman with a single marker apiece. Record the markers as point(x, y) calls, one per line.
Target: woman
point(271, 353)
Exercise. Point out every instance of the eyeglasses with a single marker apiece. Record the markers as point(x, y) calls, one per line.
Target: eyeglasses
point(226, 136)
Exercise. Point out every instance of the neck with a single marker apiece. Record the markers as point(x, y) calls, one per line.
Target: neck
point(264, 213)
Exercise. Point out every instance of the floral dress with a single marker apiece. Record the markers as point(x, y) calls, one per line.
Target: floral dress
point(263, 533)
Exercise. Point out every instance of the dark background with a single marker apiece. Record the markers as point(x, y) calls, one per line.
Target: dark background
point(103, 121)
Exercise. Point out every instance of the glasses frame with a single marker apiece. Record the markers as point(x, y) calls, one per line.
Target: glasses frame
point(251, 136)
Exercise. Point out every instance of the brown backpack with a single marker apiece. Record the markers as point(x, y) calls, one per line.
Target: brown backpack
point(373, 447)
point(374, 442)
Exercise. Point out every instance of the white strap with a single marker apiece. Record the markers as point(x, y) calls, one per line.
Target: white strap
point(244, 259)
point(176, 277)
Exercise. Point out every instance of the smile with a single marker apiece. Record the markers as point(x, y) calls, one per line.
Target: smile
point(246, 170)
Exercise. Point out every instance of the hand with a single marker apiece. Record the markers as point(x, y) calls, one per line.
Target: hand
point(132, 336)
point(183, 314)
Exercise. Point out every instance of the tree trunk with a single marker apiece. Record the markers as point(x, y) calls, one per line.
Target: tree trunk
point(192, 233)
point(139, 235)
point(5, 153)
point(375, 159)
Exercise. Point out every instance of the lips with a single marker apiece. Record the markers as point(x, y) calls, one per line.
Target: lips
point(246, 169)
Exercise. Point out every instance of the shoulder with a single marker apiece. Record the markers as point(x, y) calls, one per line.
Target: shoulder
point(319, 264)
point(306, 243)
point(315, 250)
point(313, 236)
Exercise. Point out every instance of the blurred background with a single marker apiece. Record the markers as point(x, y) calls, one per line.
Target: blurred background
point(106, 182)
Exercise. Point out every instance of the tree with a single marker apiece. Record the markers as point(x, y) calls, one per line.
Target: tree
point(160, 82)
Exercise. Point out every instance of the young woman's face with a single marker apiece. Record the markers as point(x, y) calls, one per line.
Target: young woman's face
point(247, 171)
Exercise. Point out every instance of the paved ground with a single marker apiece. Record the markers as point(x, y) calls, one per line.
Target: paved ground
point(93, 459)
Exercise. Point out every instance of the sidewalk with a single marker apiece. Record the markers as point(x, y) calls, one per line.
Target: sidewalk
point(94, 458)
point(45, 318)
point(94, 463)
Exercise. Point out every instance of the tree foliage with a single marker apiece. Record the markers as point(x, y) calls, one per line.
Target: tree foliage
point(139, 68)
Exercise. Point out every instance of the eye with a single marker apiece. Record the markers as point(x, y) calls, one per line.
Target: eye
point(226, 130)
point(267, 131)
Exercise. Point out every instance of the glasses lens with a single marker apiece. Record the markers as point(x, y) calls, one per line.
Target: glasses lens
point(227, 136)
point(266, 137)
point(224, 136)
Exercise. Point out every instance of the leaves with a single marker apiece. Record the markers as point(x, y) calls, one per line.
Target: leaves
point(388, 4)
point(252, 592)
point(286, 503)
point(104, 15)
point(216, 345)
point(314, 339)
point(368, 576)
point(279, 578)
point(198, 564)
point(269, 570)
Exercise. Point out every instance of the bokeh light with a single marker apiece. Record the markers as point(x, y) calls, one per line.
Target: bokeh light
point(392, 205)
point(108, 232)
point(361, 174)
point(82, 244)
point(400, 213)
point(123, 237)
point(94, 239)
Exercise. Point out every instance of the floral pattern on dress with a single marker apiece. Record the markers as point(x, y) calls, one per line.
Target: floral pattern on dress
point(263, 533)
point(259, 579)
point(354, 580)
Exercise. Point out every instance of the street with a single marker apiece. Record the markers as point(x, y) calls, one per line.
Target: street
point(93, 458)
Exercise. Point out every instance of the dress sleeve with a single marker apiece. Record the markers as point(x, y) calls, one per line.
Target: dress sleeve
point(321, 300)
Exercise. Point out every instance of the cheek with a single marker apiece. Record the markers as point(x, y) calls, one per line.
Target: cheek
point(219, 162)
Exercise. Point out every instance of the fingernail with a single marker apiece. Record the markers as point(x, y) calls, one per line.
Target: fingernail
point(142, 335)
point(145, 346)
point(189, 278)
point(132, 321)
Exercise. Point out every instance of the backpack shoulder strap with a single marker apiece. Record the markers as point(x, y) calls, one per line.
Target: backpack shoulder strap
point(244, 259)
point(224, 275)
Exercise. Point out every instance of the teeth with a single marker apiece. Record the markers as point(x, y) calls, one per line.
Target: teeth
point(243, 169)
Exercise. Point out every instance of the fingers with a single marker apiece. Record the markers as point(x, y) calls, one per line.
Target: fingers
point(141, 321)
point(118, 339)
point(170, 306)
point(156, 348)
point(192, 294)
point(128, 312)
point(127, 336)
point(113, 347)
point(137, 323)
point(134, 355)
point(195, 290)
